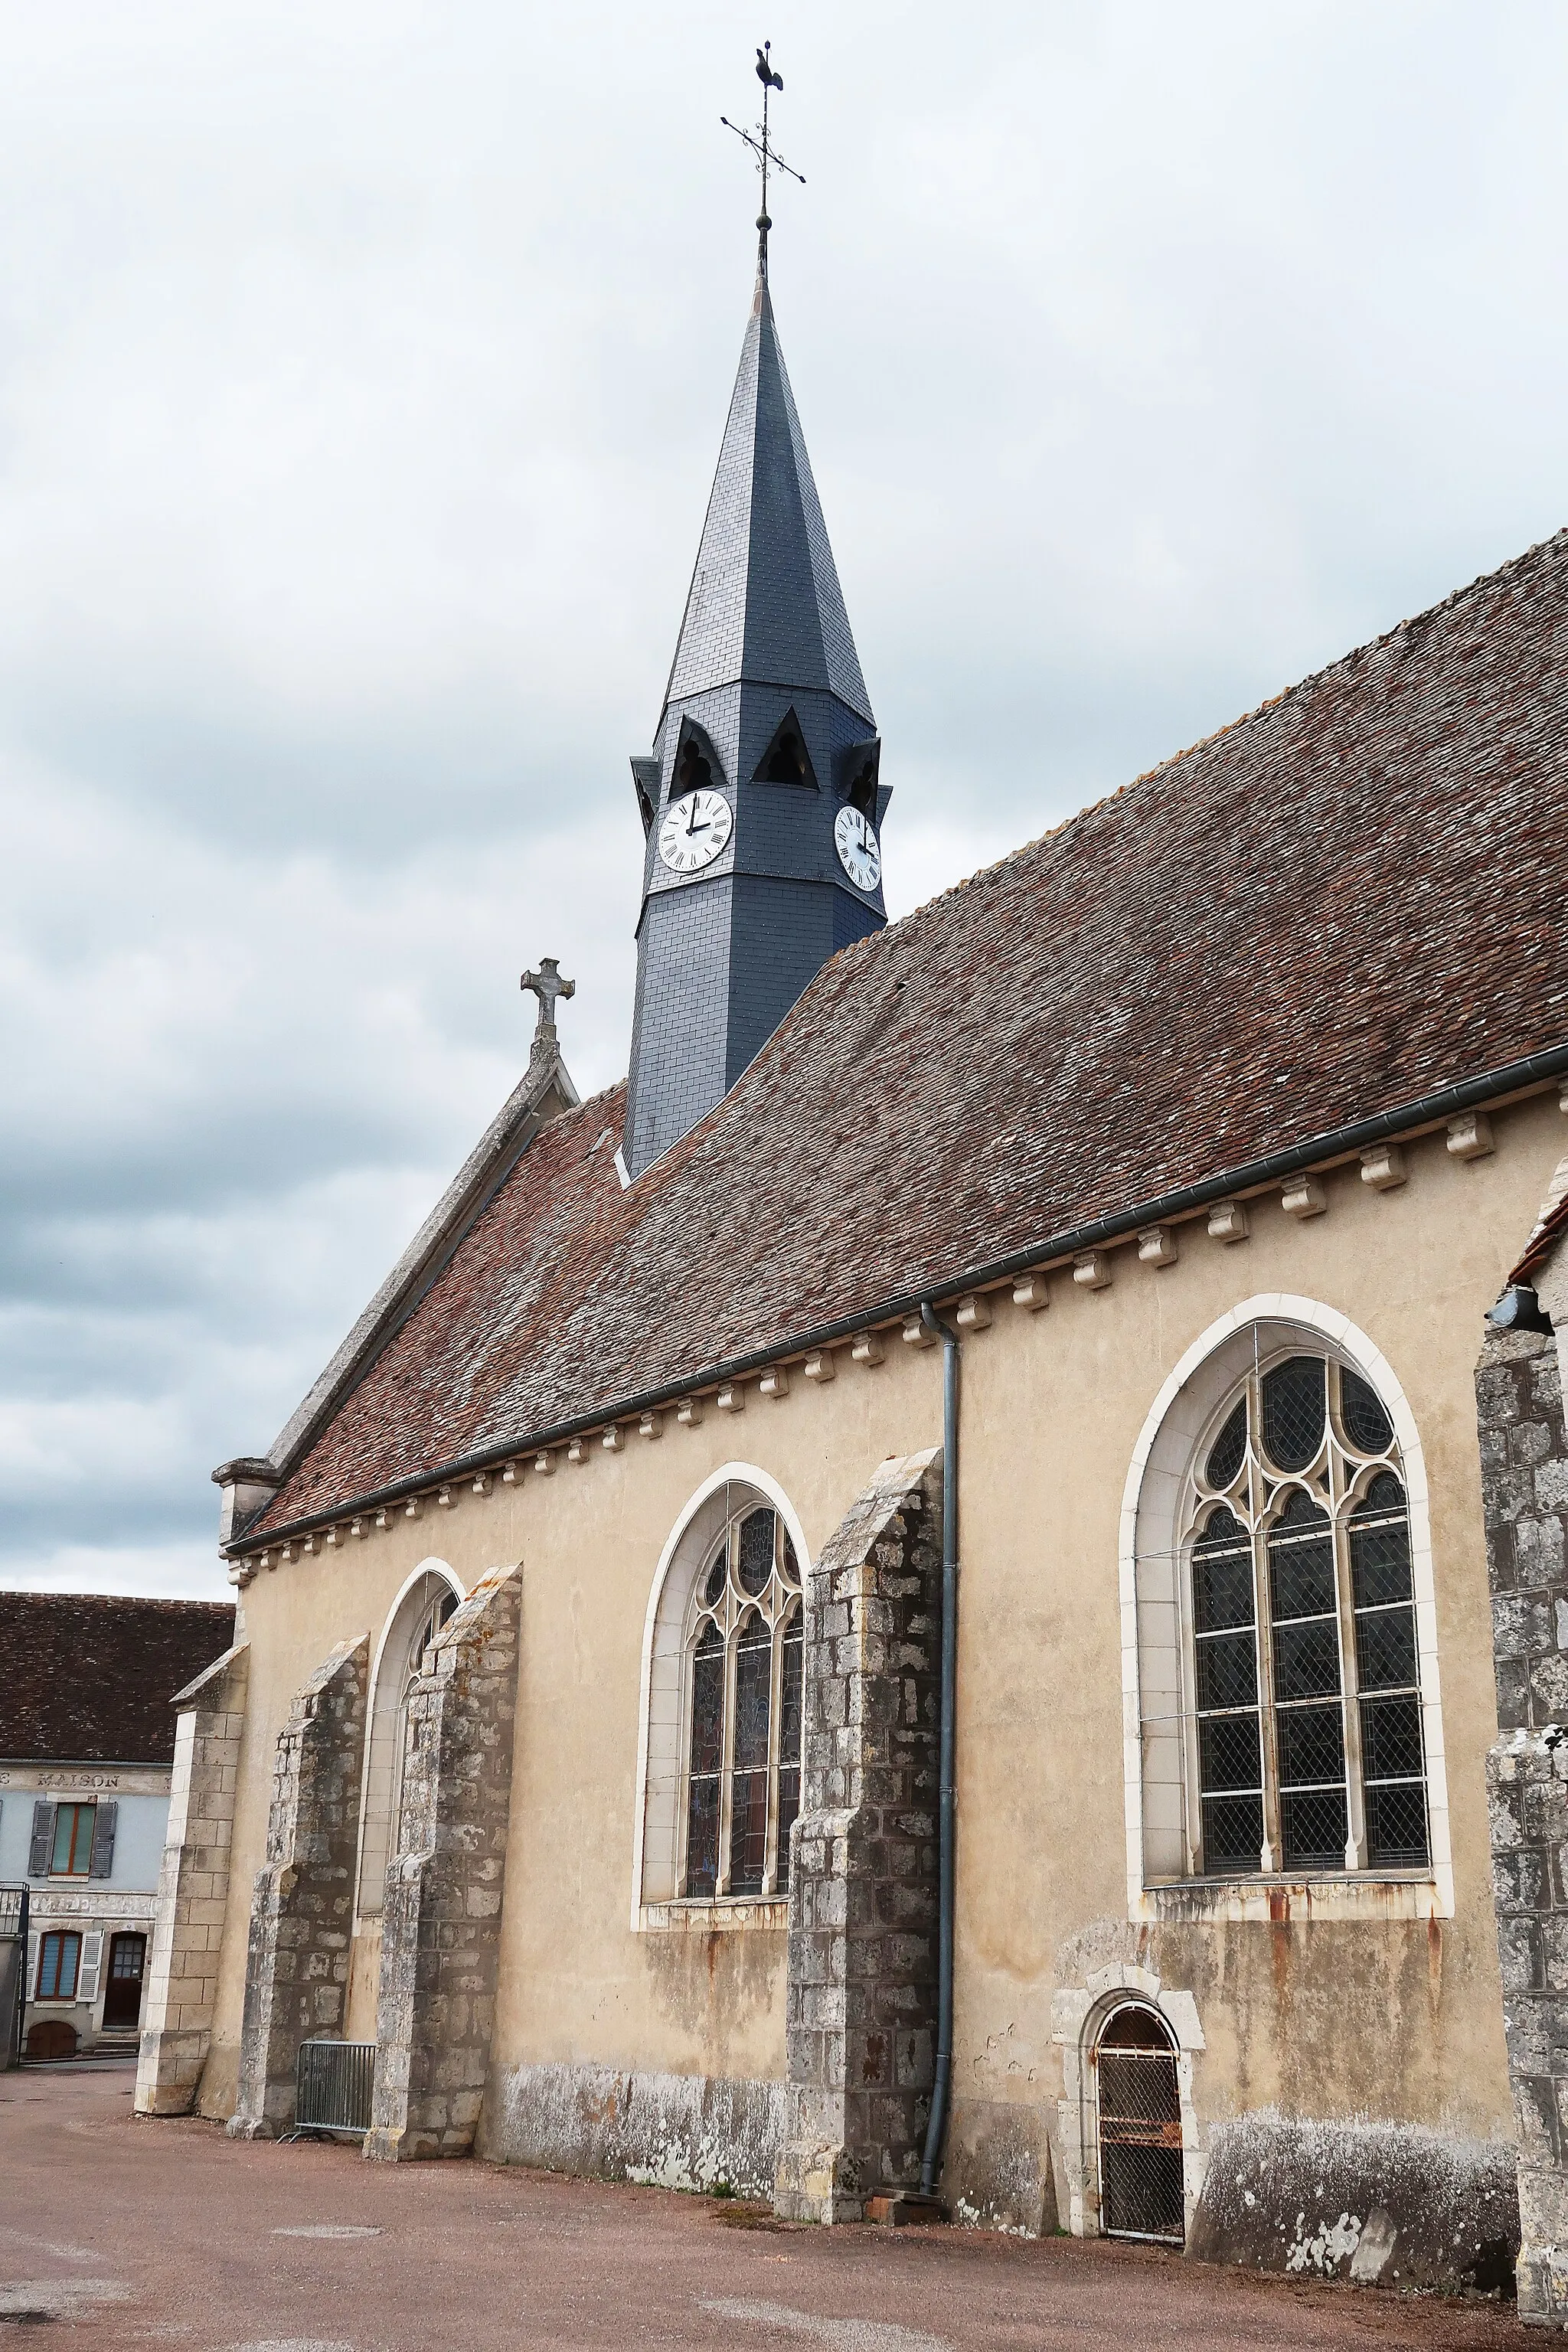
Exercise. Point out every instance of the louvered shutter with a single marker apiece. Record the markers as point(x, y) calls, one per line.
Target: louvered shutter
point(91, 1961)
point(43, 1839)
point(101, 1862)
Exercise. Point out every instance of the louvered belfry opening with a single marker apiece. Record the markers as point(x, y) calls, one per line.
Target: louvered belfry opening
point(1140, 2187)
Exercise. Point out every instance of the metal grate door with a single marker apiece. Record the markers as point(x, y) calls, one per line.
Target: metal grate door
point(1140, 2146)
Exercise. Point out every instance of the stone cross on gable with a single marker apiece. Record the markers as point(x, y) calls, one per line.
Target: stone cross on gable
point(547, 984)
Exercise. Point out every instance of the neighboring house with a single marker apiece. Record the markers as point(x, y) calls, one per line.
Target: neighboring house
point(87, 1745)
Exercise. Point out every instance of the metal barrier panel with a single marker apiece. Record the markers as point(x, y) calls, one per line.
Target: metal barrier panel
point(332, 2086)
point(1140, 2145)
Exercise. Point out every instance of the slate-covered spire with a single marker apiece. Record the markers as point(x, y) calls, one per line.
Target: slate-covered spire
point(764, 602)
point(766, 710)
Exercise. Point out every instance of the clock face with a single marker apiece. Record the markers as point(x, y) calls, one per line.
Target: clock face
point(694, 832)
point(855, 837)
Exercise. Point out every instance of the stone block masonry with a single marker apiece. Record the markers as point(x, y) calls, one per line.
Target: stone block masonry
point(302, 1920)
point(1524, 1479)
point(861, 2017)
point(440, 1940)
point(193, 1887)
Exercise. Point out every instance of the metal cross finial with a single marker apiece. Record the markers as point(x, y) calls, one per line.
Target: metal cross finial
point(547, 985)
point(762, 148)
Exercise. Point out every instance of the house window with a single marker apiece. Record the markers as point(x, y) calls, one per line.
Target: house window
point(59, 1958)
point(744, 1679)
point(1304, 1707)
point(71, 1853)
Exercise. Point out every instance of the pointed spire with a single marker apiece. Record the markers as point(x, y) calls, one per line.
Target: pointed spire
point(765, 603)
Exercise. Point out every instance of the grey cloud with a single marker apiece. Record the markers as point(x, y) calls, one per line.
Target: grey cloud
point(360, 381)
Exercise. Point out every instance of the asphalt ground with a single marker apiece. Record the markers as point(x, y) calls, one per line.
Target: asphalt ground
point(120, 2232)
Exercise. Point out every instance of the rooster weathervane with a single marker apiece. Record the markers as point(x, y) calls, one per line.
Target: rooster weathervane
point(762, 147)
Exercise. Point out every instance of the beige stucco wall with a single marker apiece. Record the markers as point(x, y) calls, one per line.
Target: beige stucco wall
point(1399, 2019)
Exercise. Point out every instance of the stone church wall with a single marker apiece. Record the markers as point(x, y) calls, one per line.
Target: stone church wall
point(629, 2046)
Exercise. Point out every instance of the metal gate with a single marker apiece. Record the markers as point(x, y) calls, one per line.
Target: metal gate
point(13, 1972)
point(332, 2088)
point(1141, 2186)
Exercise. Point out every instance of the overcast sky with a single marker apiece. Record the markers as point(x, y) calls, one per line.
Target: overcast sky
point(361, 375)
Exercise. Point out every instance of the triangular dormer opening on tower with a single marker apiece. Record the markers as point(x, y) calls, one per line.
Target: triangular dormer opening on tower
point(786, 760)
point(698, 767)
point(858, 773)
point(645, 778)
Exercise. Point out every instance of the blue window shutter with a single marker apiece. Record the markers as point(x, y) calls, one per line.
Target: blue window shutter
point(43, 1839)
point(101, 1861)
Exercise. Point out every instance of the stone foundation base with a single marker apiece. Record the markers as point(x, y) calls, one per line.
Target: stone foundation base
point(169, 2071)
point(699, 2132)
point(998, 2171)
point(1384, 2204)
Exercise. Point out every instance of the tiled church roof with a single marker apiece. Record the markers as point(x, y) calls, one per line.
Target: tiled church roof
point(1344, 901)
point(87, 1677)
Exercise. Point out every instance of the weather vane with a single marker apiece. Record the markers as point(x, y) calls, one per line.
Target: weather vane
point(761, 148)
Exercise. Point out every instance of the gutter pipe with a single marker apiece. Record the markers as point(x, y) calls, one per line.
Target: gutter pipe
point(1337, 1142)
point(936, 2127)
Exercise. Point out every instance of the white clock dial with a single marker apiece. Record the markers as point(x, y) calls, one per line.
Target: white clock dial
point(694, 832)
point(855, 837)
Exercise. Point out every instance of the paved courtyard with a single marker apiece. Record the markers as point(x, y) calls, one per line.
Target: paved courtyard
point(124, 2232)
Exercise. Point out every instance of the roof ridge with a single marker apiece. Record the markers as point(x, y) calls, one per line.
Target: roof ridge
point(1343, 664)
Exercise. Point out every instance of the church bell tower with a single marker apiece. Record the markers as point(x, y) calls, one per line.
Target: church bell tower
point(760, 801)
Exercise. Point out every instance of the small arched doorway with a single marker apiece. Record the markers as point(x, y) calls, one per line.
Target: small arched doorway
point(1140, 2129)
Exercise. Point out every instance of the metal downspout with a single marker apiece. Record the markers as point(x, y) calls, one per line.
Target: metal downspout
point(936, 2129)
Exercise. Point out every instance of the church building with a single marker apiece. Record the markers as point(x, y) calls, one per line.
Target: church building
point(892, 1616)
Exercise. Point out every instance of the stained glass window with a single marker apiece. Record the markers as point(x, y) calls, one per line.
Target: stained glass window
point(1307, 1737)
point(746, 1660)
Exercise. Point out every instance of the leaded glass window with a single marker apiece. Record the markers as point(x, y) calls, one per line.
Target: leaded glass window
point(1305, 1747)
point(745, 1682)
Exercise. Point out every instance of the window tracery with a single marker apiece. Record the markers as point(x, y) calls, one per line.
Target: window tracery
point(1306, 1703)
point(745, 1683)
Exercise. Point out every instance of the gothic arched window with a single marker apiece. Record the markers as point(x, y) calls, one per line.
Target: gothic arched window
point(744, 1659)
point(421, 1610)
point(1304, 1734)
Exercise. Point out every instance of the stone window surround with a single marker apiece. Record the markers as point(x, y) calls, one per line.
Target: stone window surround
point(1080, 2015)
point(660, 1708)
point(389, 1668)
point(1368, 1894)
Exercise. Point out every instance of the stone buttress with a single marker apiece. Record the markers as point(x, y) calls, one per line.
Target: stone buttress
point(861, 2019)
point(193, 1887)
point(302, 1921)
point(441, 1926)
point(1524, 1481)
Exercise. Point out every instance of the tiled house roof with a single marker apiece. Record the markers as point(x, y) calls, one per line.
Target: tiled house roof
point(87, 1678)
point(1343, 902)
